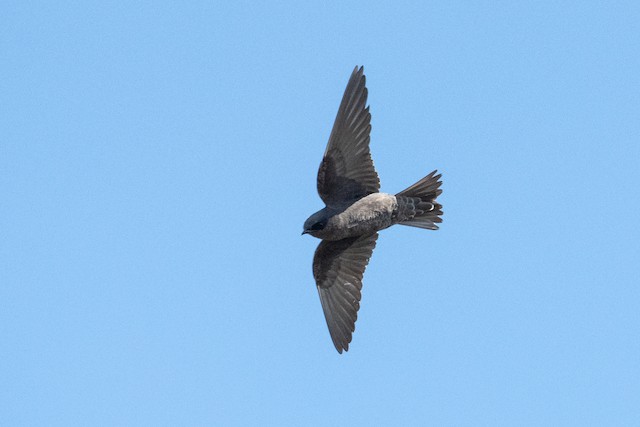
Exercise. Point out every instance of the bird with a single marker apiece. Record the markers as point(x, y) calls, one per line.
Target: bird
point(355, 211)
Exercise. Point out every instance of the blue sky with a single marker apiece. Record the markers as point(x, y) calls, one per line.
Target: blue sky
point(158, 159)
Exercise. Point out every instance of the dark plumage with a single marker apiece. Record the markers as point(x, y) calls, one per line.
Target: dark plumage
point(355, 211)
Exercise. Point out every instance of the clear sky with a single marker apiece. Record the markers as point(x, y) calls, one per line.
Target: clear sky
point(158, 160)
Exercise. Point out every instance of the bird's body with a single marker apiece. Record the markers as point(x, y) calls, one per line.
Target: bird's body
point(355, 211)
point(365, 216)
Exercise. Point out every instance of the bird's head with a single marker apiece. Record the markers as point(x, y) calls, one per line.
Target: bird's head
point(316, 223)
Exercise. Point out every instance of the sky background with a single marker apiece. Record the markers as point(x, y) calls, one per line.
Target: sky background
point(158, 160)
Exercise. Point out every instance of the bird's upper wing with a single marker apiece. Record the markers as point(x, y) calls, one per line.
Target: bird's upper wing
point(338, 267)
point(346, 172)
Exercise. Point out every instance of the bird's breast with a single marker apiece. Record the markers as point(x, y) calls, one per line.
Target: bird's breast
point(366, 216)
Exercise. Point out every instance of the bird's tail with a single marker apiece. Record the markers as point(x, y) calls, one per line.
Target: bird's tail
point(417, 206)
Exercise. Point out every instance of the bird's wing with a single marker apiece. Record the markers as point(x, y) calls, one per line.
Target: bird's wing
point(346, 173)
point(338, 267)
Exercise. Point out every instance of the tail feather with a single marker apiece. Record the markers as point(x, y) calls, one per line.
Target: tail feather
point(417, 206)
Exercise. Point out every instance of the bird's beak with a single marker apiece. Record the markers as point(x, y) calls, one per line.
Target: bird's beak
point(304, 232)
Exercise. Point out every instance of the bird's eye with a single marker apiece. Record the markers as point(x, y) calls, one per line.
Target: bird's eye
point(318, 225)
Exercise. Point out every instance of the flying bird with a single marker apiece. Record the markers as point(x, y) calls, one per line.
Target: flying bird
point(355, 211)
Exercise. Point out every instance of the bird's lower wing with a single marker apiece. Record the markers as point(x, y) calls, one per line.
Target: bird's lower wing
point(338, 268)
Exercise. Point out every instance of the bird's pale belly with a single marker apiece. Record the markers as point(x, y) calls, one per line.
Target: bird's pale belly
point(366, 216)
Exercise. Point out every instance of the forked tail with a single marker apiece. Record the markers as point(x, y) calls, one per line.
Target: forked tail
point(417, 206)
